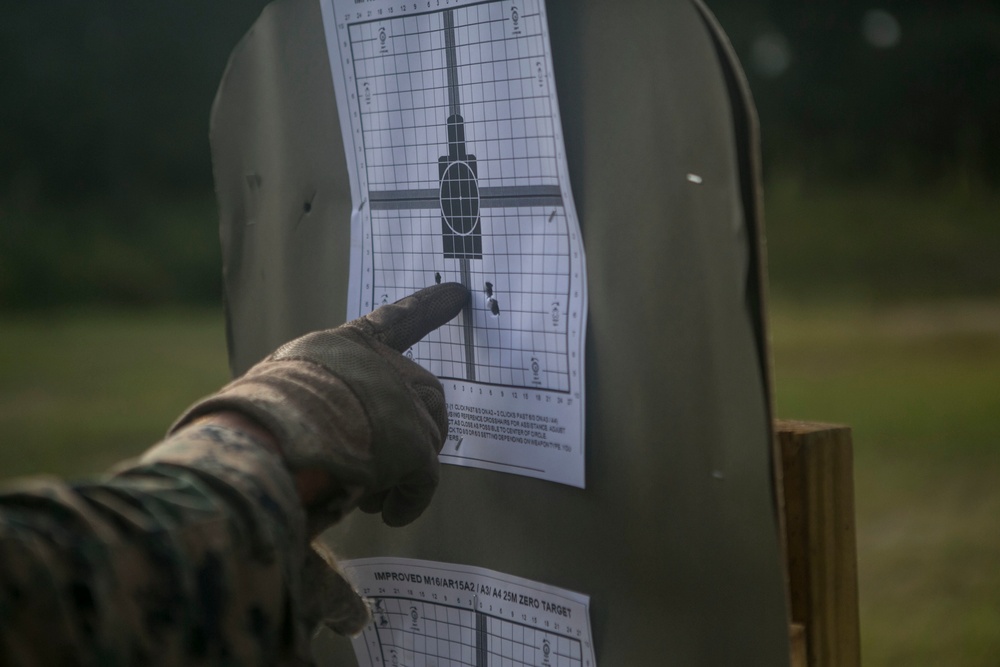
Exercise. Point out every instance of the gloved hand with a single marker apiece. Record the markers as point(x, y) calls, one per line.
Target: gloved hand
point(346, 402)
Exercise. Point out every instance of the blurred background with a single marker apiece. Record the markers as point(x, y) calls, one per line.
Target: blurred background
point(881, 134)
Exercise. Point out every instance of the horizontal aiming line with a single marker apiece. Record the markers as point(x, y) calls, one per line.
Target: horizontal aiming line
point(489, 42)
point(495, 197)
point(404, 199)
point(520, 195)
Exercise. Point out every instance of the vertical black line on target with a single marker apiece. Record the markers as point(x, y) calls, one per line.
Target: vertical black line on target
point(461, 230)
point(482, 640)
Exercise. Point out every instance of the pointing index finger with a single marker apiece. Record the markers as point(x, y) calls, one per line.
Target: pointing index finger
point(403, 324)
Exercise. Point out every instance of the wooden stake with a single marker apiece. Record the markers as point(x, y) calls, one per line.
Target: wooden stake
point(817, 478)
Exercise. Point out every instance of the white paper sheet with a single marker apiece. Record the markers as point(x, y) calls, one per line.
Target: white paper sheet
point(458, 173)
point(426, 613)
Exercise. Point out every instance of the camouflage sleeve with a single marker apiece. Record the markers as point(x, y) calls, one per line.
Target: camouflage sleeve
point(188, 556)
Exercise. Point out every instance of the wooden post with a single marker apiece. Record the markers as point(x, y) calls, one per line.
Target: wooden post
point(797, 638)
point(817, 480)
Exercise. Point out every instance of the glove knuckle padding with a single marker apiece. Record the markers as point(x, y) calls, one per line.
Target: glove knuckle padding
point(340, 402)
point(386, 384)
point(346, 401)
point(433, 398)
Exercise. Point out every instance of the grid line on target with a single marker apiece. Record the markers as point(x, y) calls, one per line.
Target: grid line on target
point(420, 633)
point(462, 184)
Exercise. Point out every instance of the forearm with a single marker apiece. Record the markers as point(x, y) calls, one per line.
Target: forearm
point(196, 553)
point(187, 556)
point(310, 485)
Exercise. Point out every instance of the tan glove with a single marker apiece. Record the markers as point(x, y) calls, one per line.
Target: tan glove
point(347, 402)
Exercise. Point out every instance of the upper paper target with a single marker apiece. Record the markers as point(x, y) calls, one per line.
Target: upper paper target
point(458, 173)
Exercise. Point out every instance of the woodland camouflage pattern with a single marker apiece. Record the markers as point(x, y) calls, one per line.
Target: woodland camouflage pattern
point(189, 556)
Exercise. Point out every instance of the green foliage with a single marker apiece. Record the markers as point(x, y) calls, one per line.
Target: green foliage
point(915, 112)
point(105, 183)
point(875, 242)
point(164, 251)
point(110, 98)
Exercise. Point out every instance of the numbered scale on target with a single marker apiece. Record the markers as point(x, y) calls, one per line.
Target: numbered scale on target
point(428, 614)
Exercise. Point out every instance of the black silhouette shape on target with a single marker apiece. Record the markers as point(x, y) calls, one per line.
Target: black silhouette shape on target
point(460, 224)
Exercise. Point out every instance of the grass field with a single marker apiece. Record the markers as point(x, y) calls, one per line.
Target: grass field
point(80, 391)
point(918, 384)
